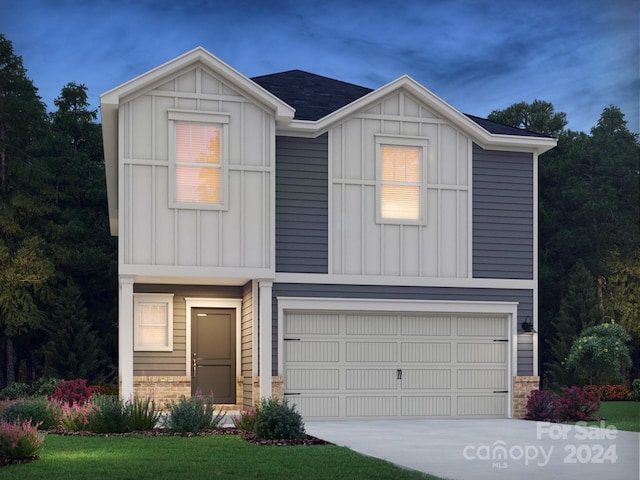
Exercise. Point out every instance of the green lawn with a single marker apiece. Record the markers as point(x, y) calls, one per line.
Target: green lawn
point(623, 415)
point(215, 456)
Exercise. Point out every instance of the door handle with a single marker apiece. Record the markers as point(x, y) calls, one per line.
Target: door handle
point(399, 374)
point(194, 364)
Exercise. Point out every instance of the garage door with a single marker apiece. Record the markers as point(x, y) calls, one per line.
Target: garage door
point(346, 364)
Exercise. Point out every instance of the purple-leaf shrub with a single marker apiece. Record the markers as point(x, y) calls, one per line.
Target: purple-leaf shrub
point(577, 403)
point(72, 392)
point(541, 405)
point(20, 439)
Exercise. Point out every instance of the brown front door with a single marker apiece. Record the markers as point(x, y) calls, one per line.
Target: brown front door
point(213, 347)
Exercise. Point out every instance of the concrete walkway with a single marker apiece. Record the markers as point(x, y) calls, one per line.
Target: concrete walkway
point(490, 448)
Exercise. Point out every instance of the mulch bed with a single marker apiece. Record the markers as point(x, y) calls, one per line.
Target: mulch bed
point(248, 436)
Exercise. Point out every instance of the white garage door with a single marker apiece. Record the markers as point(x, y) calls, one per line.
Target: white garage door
point(346, 364)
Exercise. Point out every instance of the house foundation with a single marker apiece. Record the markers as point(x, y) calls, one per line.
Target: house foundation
point(522, 388)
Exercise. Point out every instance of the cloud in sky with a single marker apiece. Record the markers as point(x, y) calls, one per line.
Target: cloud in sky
point(478, 55)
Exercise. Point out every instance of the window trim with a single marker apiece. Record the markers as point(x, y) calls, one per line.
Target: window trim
point(218, 119)
point(140, 299)
point(402, 141)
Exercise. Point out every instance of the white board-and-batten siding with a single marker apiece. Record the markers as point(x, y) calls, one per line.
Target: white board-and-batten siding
point(440, 245)
point(156, 232)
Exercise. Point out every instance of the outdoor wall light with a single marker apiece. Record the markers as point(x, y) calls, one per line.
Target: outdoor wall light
point(527, 326)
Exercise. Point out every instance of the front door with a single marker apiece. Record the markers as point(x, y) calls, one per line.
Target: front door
point(213, 350)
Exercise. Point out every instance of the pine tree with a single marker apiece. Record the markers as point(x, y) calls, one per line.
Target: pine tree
point(73, 350)
point(579, 309)
point(25, 266)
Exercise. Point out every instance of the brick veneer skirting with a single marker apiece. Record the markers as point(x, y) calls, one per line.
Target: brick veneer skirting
point(522, 387)
point(167, 389)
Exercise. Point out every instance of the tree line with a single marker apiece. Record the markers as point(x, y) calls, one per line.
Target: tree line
point(589, 232)
point(58, 270)
point(58, 262)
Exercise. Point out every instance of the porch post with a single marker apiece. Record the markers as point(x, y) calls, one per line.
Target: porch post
point(125, 338)
point(266, 343)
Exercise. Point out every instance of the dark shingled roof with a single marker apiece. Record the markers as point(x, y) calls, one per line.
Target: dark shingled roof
point(314, 96)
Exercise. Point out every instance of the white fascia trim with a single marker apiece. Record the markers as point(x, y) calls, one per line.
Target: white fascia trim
point(283, 111)
point(194, 275)
point(481, 136)
point(313, 278)
point(394, 305)
point(235, 303)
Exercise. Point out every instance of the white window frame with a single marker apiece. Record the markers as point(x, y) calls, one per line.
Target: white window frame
point(220, 120)
point(140, 299)
point(420, 143)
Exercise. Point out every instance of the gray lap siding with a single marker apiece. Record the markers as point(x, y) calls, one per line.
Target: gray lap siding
point(502, 214)
point(302, 209)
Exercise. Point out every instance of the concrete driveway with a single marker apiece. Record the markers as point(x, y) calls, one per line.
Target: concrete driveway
point(464, 449)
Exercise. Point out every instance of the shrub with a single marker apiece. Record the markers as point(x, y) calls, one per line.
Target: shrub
point(37, 410)
point(107, 415)
point(75, 418)
point(541, 405)
point(19, 440)
point(576, 403)
point(15, 390)
point(278, 420)
point(193, 414)
point(141, 414)
point(72, 392)
point(635, 390)
point(246, 420)
point(600, 353)
point(609, 393)
point(45, 386)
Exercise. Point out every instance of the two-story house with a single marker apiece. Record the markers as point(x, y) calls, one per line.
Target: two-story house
point(362, 253)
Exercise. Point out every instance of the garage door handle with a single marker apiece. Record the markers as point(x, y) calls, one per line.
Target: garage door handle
point(501, 391)
point(500, 340)
point(286, 393)
point(399, 374)
point(291, 339)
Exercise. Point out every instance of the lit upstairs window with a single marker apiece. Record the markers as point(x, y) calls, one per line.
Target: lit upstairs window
point(198, 163)
point(400, 186)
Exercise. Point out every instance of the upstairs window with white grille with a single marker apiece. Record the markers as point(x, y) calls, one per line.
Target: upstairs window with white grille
point(198, 148)
point(400, 186)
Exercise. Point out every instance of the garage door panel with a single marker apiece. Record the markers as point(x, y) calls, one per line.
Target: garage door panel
point(425, 406)
point(482, 379)
point(310, 352)
point(316, 406)
point(481, 405)
point(425, 352)
point(371, 406)
point(361, 364)
point(424, 379)
point(371, 352)
point(371, 379)
point(482, 353)
point(312, 324)
point(312, 379)
point(412, 325)
point(481, 326)
point(371, 325)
